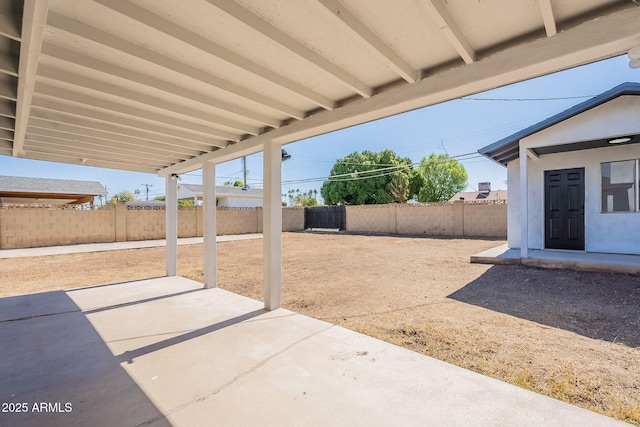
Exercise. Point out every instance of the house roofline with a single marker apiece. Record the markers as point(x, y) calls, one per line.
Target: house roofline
point(507, 149)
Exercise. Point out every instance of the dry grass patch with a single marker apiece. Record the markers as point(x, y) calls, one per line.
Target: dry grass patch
point(472, 350)
point(569, 335)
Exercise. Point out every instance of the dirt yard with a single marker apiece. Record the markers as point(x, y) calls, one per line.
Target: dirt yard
point(571, 335)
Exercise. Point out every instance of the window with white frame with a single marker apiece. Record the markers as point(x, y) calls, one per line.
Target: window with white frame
point(619, 186)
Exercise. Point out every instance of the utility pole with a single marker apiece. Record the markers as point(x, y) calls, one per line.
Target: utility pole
point(147, 186)
point(244, 172)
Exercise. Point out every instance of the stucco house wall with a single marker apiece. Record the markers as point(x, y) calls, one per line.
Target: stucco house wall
point(604, 232)
point(237, 202)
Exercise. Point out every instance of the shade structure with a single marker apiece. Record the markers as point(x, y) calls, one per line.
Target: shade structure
point(155, 87)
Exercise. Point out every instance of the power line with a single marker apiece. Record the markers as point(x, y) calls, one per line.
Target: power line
point(560, 98)
point(147, 186)
point(386, 171)
point(361, 177)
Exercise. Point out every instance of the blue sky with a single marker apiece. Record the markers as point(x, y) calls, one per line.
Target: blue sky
point(456, 127)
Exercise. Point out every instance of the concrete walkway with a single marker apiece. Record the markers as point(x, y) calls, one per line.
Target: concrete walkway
point(549, 258)
point(165, 352)
point(113, 246)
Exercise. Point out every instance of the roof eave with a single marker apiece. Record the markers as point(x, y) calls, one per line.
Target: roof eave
point(511, 142)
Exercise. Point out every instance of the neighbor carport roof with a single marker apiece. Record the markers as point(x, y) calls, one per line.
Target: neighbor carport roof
point(17, 184)
point(507, 149)
point(154, 86)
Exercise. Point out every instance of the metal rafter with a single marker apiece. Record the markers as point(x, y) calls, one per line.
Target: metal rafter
point(95, 35)
point(110, 163)
point(513, 64)
point(6, 110)
point(87, 147)
point(189, 37)
point(143, 99)
point(40, 152)
point(9, 64)
point(128, 124)
point(548, 18)
point(8, 89)
point(34, 17)
point(103, 138)
point(392, 59)
point(70, 56)
point(48, 146)
point(449, 27)
point(8, 27)
point(130, 111)
point(7, 123)
point(256, 23)
point(108, 131)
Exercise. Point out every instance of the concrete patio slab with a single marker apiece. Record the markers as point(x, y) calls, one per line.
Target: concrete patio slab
point(550, 258)
point(165, 352)
point(114, 246)
point(498, 255)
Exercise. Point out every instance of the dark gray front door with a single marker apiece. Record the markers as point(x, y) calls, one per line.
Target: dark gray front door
point(564, 209)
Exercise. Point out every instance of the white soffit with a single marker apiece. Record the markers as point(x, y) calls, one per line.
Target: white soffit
point(147, 86)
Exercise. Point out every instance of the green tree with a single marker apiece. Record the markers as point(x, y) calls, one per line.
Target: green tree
point(399, 188)
point(367, 177)
point(443, 177)
point(181, 203)
point(236, 183)
point(122, 197)
point(305, 200)
point(416, 182)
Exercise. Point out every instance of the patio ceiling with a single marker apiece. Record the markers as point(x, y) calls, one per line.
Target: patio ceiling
point(147, 86)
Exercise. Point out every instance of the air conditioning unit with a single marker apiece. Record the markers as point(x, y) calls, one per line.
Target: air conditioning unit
point(484, 187)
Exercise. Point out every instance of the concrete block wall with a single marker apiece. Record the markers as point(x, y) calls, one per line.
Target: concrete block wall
point(27, 227)
point(368, 218)
point(249, 220)
point(81, 226)
point(24, 227)
point(237, 221)
point(199, 221)
point(485, 220)
point(431, 220)
point(187, 222)
point(146, 223)
point(292, 219)
point(457, 219)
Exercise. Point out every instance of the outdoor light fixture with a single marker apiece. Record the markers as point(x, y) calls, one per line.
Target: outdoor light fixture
point(174, 177)
point(285, 155)
point(634, 57)
point(619, 140)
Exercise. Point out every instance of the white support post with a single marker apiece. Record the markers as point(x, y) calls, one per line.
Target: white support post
point(210, 224)
point(524, 203)
point(171, 208)
point(272, 225)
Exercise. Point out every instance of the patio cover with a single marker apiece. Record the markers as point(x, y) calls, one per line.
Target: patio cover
point(151, 87)
point(15, 189)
